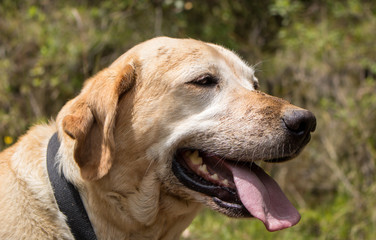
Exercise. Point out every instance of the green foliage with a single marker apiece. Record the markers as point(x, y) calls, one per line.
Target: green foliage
point(319, 54)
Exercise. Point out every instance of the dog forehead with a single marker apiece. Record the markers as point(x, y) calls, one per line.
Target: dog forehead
point(178, 60)
point(173, 52)
point(195, 55)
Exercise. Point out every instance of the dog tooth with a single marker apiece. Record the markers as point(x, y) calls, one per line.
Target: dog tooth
point(203, 168)
point(197, 161)
point(214, 176)
point(225, 182)
point(195, 158)
point(194, 154)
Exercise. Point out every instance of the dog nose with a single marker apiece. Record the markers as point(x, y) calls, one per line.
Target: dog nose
point(299, 121)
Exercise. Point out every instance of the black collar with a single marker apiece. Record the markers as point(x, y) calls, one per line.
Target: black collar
point(67, 197)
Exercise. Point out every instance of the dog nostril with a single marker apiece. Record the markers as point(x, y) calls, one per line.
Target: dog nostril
point(299, 121)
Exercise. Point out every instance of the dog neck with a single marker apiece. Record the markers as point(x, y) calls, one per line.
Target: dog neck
point(140, 209)
point(67, 196)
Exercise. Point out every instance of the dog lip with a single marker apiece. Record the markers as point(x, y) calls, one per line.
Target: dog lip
point(237, 210)
point(304, 142)
point(193, 181)
point(226, 198)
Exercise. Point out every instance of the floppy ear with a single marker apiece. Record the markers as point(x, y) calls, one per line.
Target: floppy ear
point(91, 120)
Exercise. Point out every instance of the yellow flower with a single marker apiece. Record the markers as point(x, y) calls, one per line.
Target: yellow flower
point(8, 140)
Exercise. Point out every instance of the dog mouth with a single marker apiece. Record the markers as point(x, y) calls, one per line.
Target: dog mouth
point(238, 189)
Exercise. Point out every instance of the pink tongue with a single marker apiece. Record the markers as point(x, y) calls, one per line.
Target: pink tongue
point(264, 199)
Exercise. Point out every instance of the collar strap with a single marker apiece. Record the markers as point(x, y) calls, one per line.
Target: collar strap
point(67, 197)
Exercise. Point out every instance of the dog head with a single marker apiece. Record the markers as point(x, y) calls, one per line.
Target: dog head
point(191, 113)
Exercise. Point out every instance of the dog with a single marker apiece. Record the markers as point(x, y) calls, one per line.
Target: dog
point(170, 126)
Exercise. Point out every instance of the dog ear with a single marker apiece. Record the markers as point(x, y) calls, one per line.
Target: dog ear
point(91, 120)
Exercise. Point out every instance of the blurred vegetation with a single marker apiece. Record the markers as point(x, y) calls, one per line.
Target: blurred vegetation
point(319, 54)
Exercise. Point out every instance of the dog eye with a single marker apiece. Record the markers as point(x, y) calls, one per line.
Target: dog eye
point(205, 81)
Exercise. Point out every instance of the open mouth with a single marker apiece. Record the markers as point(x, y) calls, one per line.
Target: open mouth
point(240, 189)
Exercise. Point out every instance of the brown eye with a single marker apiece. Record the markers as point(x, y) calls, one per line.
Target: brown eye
point(205, 81)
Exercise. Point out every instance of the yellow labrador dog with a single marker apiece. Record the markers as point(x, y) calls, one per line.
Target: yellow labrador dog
point(170, 126)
